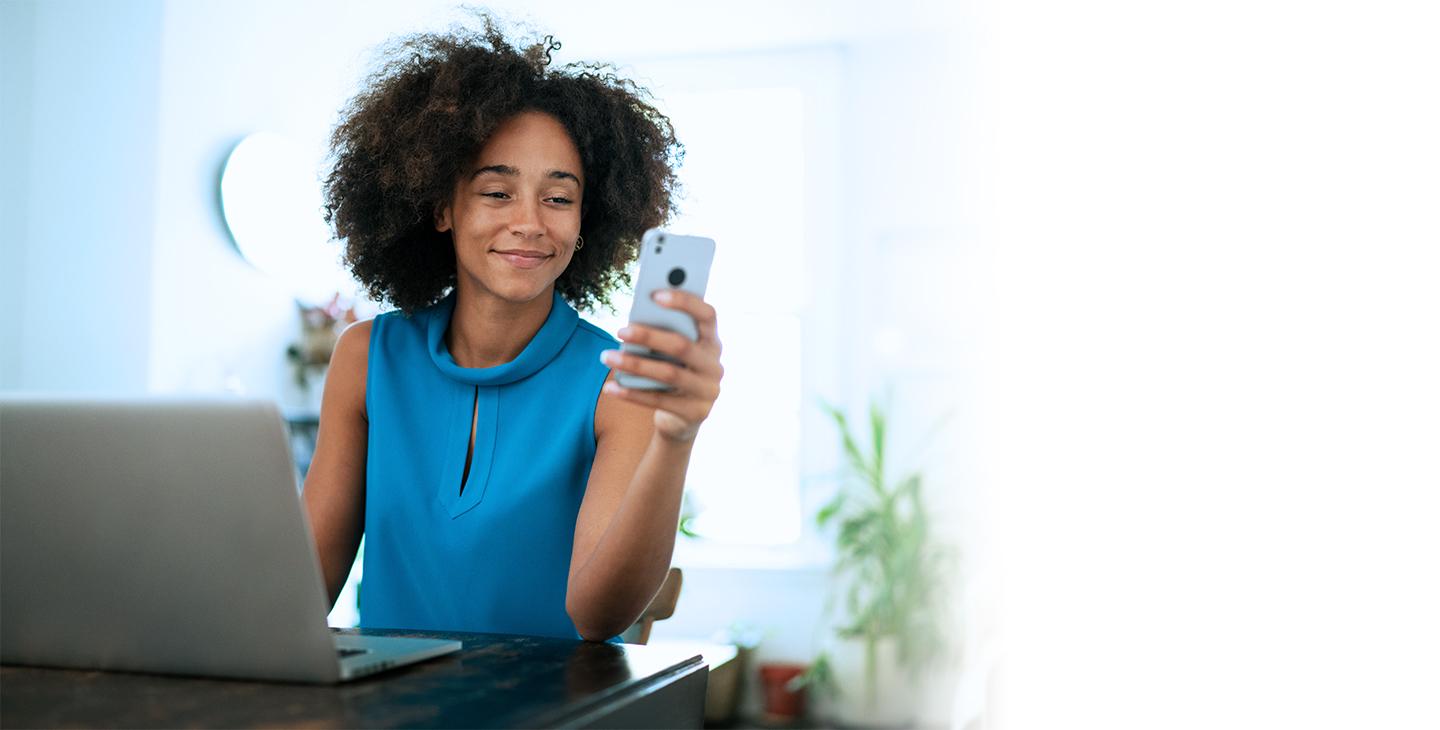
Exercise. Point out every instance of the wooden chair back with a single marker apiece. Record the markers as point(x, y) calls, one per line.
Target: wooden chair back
point(661, 607)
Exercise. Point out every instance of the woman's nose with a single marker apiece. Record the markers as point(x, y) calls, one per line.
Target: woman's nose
point(527, 219)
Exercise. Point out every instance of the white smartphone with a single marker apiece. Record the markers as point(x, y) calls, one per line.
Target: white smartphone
point(667, 261)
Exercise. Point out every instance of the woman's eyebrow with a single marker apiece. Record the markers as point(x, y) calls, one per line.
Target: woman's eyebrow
point(509, 171)
point(505, 170)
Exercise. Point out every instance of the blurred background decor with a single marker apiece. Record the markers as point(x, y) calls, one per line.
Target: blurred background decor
point(309, 358)
point(725, 693)
point(889, 581)
point(271, 200)
point(784, 698)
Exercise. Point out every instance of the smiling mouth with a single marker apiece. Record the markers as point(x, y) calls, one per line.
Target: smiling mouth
point(523, 259)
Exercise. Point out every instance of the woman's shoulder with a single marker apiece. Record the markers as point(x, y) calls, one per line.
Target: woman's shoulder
point(349, 366)
point(397, 331)
point(590, 334)
point(355, 336)
point(588, 342)
point(352, 350)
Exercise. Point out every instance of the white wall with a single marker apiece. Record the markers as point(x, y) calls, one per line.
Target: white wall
point(1210, 370)
point(80, 143)
point(230, 69)
point(17, 63)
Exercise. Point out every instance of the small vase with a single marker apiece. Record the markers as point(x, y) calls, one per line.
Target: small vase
point(783, 707)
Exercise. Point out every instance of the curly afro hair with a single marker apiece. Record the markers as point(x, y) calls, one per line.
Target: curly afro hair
point(427, 111)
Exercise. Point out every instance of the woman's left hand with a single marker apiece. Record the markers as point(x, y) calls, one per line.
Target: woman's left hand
point(678, 413)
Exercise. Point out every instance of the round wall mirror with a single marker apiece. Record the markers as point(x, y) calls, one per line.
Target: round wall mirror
point(272, 202)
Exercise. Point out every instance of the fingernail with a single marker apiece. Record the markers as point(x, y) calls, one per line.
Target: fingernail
point(611, 388)
point(610, 357)
point(664, 296)
point(625, 332)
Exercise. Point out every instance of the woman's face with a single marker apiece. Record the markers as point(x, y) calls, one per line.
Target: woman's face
point(515, 212)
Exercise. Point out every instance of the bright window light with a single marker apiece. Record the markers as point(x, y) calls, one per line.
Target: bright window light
point(743, 179)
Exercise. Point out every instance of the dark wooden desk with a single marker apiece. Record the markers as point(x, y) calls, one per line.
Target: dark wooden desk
point(493, 681)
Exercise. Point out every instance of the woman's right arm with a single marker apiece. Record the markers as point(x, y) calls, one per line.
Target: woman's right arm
point(334, 493)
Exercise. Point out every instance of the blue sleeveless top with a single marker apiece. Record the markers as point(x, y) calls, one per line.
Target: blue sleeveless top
point(495, 556)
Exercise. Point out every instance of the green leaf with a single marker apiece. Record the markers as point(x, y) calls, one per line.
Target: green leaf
point(877, 436)
point(687, 526)
point(818, 675)
point(830, 509)
point(852, 451)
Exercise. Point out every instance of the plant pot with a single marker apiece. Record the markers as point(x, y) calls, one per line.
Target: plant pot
point(783, 706)
point(892, 700)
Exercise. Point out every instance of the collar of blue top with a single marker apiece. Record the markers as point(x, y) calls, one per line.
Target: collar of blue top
point(547, 343)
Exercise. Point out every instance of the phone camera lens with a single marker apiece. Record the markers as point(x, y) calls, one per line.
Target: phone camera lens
point(677, 277)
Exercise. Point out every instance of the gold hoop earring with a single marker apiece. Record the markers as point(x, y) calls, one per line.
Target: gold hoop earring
point(579, 242)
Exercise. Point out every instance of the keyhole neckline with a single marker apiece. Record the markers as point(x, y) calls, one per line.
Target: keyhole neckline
point(542, 348)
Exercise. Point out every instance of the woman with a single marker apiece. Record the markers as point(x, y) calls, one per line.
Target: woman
point(505, 482)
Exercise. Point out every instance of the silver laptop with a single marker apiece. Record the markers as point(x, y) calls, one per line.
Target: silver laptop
point(166, 536)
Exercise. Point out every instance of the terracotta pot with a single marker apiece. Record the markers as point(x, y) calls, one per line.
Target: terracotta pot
point(781, 704)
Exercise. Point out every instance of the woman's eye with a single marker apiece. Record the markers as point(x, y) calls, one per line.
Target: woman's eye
point(497, 195)
point(562, 201)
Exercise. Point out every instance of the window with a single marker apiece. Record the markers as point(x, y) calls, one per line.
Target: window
point(758, 177)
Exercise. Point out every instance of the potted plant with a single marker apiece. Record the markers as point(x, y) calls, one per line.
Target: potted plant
point(309, 358)
point(888, 575)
